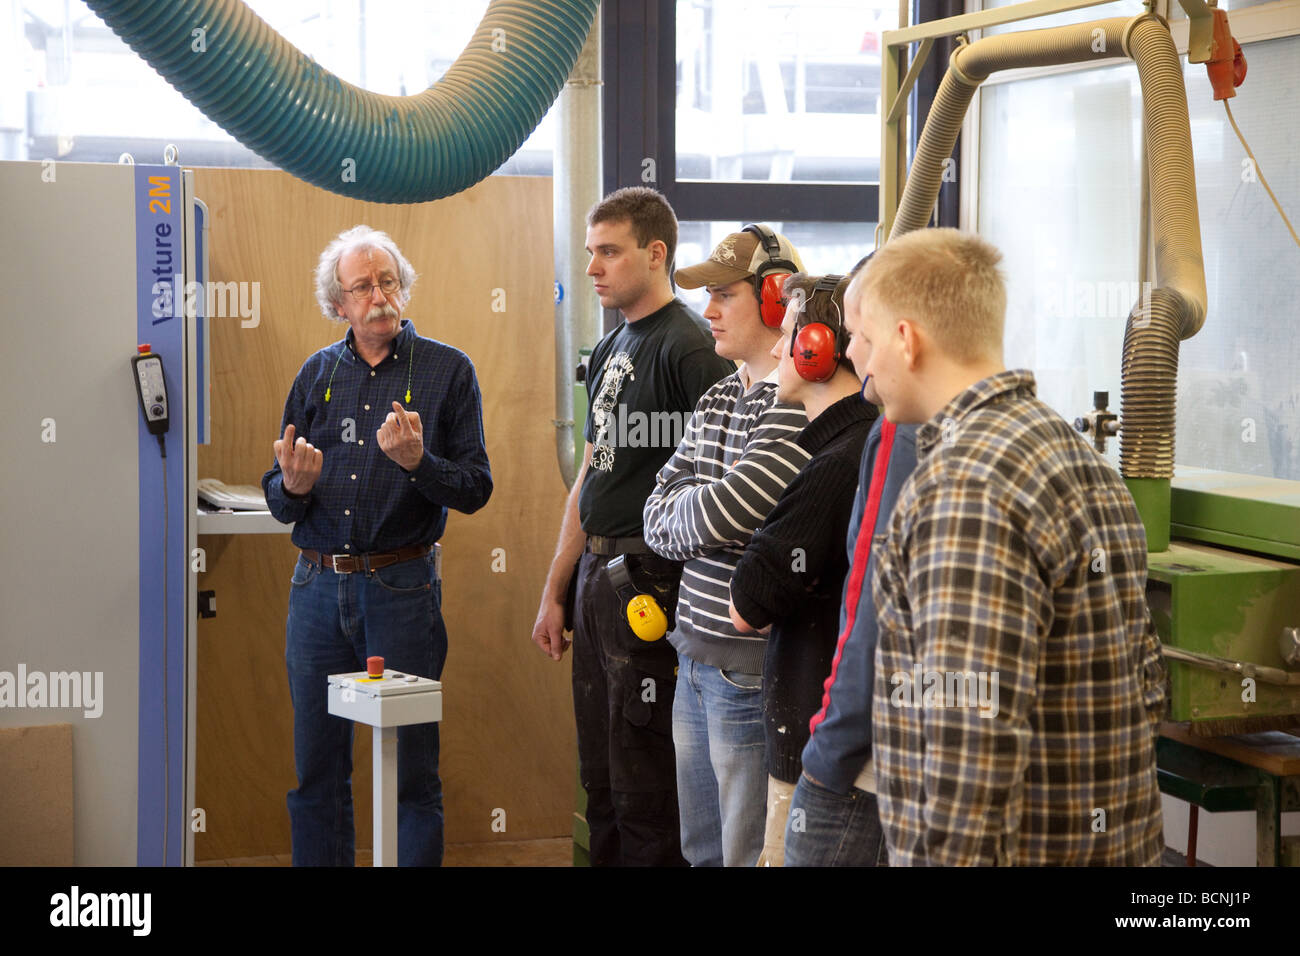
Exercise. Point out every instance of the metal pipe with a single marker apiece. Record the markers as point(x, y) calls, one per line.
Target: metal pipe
point(577, 184)
point(1260, 672)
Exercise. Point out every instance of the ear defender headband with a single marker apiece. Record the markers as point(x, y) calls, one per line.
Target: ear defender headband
point(815, 346)
point(770, 276)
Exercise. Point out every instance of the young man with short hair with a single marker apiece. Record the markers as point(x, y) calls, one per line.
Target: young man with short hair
point(654, 365)
point(791, 572)
point(1018, 687)
point(740, 451)
point(833, 817)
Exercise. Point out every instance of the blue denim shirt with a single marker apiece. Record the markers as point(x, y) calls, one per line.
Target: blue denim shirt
point(841, 741)
point(364, 501)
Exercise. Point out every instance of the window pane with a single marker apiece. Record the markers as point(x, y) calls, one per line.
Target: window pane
point(89, 97)
point(1238, 388)
point(1058, 194)
point(824, 247)
point(1120, 8)
point(1176, 11)
point(782, 92)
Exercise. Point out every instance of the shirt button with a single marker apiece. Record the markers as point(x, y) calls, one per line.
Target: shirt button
point(413, 478)
point(372, 373)
point(347, 511)
point(354, 477)
point(347, 547)
point(361, 441)
point(367, 408)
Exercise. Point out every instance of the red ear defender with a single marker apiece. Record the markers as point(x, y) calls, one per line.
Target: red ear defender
point(770, 276)
point(770, 306)
point(816, 348)
point(815, 354)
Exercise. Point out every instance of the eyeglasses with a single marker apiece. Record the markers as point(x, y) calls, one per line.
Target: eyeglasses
point(363, 292)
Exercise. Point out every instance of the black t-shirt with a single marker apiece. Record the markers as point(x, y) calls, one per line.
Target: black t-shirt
point(644, 380)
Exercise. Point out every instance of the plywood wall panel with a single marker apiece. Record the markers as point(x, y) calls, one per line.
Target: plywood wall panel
point(507, 732)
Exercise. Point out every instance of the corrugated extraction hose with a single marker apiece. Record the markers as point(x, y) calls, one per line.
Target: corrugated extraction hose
point(1175, 309)
point(399, 149)
point(970, 65)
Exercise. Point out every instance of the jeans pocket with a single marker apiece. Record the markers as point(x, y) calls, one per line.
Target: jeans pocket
point(405, 577)
point(742, 681)
point(304, 572)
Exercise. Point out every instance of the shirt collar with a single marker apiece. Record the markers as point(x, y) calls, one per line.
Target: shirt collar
point(836, 418)
point(1017, 383)
point(405, 333)
point(747, 383)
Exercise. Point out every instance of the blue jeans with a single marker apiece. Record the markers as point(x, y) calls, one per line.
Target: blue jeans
point(335, 622)
point(719, 736)
point(826, 828)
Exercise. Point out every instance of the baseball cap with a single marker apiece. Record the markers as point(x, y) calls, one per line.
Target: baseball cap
point(740, 255)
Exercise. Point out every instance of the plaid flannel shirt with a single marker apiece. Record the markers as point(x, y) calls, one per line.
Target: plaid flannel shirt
point(1015, 554)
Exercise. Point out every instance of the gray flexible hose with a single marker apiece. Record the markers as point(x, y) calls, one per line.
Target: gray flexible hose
point(1175, 309)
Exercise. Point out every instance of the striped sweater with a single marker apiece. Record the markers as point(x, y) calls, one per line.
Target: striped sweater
point(739, 452)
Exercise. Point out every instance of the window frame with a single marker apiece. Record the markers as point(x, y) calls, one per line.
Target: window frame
point(640, 123)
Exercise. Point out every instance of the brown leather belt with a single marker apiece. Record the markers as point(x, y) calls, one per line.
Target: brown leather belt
point(348, 563)
point(599, 544)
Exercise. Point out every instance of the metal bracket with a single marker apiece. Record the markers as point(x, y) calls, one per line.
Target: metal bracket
point(1200, 29)
point(899, 102)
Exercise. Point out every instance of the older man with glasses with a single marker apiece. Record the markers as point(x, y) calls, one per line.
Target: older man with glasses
point(382, 433)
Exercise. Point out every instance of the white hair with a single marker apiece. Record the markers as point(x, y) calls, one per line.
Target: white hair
point(329, 291)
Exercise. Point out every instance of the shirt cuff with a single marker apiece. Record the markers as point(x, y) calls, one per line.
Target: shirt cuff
point(428, 473)
point(288, 509)
point(755, 615)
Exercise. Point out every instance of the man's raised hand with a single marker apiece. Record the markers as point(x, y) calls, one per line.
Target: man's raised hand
point(401, 437)
point(300, 462)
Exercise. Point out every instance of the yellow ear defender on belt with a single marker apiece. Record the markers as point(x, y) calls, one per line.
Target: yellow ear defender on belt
point(644, 615)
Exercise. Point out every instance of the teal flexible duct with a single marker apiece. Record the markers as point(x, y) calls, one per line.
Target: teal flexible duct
point(281, 104)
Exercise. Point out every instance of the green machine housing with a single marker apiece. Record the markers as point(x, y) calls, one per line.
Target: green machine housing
point(1226, 597)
